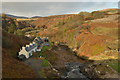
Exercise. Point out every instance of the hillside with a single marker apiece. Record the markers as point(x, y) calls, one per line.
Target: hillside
point(11, 66)
point(50, 20)
point(90, 37)
point(79, 30)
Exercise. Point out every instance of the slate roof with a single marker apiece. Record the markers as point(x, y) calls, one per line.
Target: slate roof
point(39, 38)
point(30, 47)
point(36, 41)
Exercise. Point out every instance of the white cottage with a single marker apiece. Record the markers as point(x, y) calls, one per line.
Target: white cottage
point(27, 51)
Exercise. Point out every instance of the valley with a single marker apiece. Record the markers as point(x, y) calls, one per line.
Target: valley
point(83, 45)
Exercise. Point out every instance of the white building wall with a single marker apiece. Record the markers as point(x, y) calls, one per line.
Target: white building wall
point(30, 52)
point(24, 52)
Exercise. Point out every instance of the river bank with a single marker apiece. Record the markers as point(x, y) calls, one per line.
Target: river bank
point(63, 63)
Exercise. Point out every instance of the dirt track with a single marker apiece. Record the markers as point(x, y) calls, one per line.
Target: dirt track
point(35, 64)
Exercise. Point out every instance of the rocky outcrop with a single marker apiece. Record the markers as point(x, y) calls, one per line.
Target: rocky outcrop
point(73, 69)
point(98, 70)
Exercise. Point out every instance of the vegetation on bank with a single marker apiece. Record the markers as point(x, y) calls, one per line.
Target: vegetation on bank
point(49, 55)
point(45, 48)
point(48, 73)
point(77, 31)
point(45, 63)
point(114, 64)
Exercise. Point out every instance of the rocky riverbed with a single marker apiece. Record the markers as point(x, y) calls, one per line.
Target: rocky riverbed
point(67, 65)
point(73, 70)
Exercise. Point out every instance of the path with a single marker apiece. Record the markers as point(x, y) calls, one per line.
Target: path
point(64, 56)
point(35, 64)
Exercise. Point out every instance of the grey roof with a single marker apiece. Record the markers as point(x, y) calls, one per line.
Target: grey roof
point(39, 38)
point(38, 41)
point(30, 47)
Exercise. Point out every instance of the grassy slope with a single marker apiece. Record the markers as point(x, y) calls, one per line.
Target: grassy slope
point(110, 32)
point(88, 38)
point(12, 68)
point(49, 21)
point(114, 65)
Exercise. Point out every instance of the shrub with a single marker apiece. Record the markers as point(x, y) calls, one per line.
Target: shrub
point(27, 29)
point(45, 63)
point(97, 14)
point(59, 23)
point(12, 28)
point(45, 48)
point(89, 18)
point(114, 65)
point(19, 32)
point(44, 26)
point(85, 14)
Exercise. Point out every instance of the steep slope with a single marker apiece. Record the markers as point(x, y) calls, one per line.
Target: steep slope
point(11, 66)
point(89, 34)
point(50, 20)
